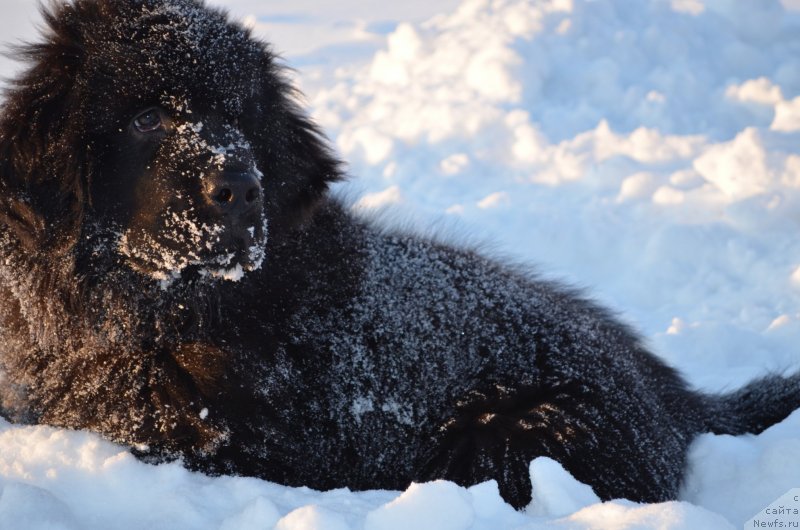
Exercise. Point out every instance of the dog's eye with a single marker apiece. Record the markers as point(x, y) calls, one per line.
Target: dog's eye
point(148, 121)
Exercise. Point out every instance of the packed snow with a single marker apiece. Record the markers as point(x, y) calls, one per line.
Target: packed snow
point(646, 149)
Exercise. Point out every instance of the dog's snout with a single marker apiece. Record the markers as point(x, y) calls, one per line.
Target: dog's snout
point(234, 193)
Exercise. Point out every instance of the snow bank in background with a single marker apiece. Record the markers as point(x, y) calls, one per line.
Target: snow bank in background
point(649, 149)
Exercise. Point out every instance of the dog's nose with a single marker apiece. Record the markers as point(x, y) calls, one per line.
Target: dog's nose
point(234, 193)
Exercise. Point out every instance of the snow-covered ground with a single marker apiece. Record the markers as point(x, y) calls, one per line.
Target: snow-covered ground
point(646, 149)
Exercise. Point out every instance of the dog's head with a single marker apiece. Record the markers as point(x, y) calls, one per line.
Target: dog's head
point(163, 127)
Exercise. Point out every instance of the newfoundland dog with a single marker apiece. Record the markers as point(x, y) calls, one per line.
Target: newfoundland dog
point(174, 276)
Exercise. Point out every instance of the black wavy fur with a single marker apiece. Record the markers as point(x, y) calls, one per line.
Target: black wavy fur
point(350, 356)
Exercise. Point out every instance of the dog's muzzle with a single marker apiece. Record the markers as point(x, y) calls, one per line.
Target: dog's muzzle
point(234, 195)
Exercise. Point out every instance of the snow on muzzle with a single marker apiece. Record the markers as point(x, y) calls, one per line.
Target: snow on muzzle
point(236, 196)
point(219, 227)
point(205, 206)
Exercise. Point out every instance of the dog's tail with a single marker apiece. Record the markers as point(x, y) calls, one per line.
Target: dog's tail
point(755, 407)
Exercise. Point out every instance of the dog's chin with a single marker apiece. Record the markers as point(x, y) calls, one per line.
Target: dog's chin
point(230, 264)
point(233, 266)
point(216, 254)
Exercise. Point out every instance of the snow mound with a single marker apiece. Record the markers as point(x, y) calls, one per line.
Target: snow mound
point(55, 479)
point(556, 493)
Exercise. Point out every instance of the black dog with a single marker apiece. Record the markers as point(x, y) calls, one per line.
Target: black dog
point(152, 153)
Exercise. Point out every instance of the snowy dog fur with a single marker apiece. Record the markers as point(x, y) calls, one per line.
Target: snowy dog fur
point(343, 355)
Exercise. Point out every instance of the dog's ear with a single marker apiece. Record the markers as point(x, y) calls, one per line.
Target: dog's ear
point(293, 154)
point(41, 184)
